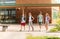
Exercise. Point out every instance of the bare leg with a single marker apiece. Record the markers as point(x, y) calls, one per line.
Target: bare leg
point(21, 28)
point(40, 27)
point(46, 25)
point(24, 27)
point(29, 28)
point(32, 28)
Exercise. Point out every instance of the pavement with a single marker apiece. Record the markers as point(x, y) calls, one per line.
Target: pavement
point(12, 32)
point(16, 28)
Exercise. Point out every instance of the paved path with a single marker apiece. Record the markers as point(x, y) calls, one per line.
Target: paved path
point(12, 32)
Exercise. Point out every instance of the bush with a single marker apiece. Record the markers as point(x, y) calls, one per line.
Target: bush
point(42, 37)
point(57, 27)
point(54, 30)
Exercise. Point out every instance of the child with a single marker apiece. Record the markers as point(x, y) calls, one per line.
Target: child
point(47, 19)
point(31, 18)
point(23, 21)
point(40, 19)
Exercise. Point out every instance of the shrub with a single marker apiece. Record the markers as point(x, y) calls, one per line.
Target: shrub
point(42, 37)
point(57, 26)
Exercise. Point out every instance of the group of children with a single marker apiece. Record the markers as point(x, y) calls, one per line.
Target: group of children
point(39, 20)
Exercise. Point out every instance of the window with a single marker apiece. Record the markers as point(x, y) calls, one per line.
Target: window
point(55, 1)
point(8, 16)
point(7, 2)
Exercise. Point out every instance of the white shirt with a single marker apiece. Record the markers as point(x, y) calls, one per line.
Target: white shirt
point(22, 21)
point(30, 18)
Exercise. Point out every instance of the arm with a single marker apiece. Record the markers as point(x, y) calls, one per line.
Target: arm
point(25, 17)
point(43, 19)
point(49, 17)
point(33, 17)
point(37, 19)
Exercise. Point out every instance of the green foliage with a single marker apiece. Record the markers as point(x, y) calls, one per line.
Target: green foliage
point(57, 27)
point(54, 30)
point(41, 37)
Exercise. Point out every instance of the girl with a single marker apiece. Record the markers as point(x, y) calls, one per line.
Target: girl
point(31, 18)
point(23, 21)
point(47, 19)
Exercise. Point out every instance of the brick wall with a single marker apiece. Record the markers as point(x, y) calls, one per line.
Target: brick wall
point(33, 1)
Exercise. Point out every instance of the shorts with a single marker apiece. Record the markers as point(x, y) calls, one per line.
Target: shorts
point(23, 24)
point(47, 22)
point(40, 23)
point(30, 23)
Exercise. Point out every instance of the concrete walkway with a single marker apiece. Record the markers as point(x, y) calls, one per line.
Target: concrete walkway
point(17, 28)
point(12, 32)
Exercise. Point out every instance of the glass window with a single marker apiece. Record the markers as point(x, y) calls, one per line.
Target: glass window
point(7, 2)
point(8, 16)
point(55, 1)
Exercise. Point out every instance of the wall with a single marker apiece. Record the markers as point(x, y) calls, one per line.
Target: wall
point(35, 11)
point(33, 1)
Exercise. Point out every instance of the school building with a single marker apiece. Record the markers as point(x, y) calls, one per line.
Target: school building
point(11, 10)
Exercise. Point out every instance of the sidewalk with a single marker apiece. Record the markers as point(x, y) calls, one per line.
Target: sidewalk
point(16, 27)
point(12, 32)
point(12, 28)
